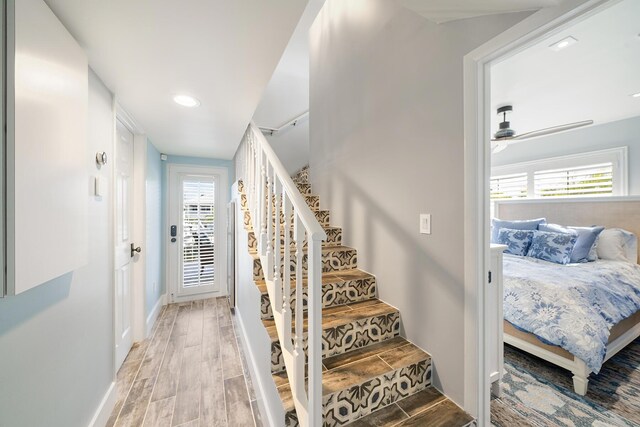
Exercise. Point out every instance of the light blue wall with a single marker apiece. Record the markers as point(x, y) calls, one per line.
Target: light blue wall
point(56, 340)
point(609, 135)
point(183, 160)
point(154, 263)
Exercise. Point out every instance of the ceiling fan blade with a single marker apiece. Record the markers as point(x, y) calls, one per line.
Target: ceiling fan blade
point(551, 130)
point(498, 145)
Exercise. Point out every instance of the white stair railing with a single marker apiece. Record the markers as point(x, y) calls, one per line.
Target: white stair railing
point(282, 220)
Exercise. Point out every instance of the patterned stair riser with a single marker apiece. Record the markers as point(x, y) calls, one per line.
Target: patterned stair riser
point(302, 176)
point(344, 338)
point(332, 260)
point(305, 189)
point(334, 238)
point(323, 217)
point(312, 201)
point(345, 406)
point(333, 294)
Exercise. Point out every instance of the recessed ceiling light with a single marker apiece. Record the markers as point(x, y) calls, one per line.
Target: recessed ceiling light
point(636, 95)
point(186, 101)
point(564, 43)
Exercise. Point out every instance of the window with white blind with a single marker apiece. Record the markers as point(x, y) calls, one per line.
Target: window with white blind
point(506, 187)
point(592, 174)
point(581, 181)
point(198, 227)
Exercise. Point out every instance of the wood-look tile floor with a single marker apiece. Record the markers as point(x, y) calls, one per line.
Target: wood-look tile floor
point(190, 372)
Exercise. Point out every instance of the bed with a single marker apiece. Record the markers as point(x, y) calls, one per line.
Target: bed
point(619, 323)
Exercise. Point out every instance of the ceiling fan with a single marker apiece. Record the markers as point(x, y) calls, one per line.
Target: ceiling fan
point(506, 135)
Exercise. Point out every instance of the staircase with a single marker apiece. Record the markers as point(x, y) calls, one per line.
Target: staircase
point(371, 376)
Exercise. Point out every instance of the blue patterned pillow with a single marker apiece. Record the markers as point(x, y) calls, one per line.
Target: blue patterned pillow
point(552, 247)
point(585, 243)
point(518, 241)
point(527, 224)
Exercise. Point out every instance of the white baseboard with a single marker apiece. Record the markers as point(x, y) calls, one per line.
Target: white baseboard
point(253, 367)
point(105, 408)
point(153, 316)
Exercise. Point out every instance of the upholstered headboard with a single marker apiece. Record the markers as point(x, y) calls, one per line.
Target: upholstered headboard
point(621, 212)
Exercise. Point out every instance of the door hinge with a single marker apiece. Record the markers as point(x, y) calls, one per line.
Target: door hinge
point(489, 277)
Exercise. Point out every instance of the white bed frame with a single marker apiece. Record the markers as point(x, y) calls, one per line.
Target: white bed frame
point(576, 366)
point(622, 212)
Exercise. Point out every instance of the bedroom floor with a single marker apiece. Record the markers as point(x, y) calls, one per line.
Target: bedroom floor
point(537, 393)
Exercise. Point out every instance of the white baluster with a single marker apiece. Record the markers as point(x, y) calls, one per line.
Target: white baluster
point(286, 271)
point(299, 356)
point(268, 269)
point(277, 200)
point(263, 195)
point(314, 333)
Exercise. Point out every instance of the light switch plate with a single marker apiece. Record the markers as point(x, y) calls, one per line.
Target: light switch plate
point(425, 223)
point(98, 186)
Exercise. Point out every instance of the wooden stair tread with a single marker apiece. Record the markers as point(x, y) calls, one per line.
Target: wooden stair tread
point(328, 278)
point(341, 315)
point(384, 359)
point(427, 408)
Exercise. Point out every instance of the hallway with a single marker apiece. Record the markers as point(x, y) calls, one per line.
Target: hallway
point(191, 372)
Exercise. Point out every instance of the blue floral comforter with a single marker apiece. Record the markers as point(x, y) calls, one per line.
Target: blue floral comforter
point(572, 306)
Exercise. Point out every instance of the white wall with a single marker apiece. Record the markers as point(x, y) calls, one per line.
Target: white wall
point(153, 224)
point(598, 137)
point(386, 143)
point(287, 95)
point(56, 340)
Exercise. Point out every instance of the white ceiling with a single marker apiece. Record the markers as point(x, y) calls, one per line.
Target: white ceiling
point(223, 52)
point(448, 10)
point(589, 80)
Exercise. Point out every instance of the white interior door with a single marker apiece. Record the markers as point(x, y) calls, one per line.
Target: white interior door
point(197, 247)
point(123, 240)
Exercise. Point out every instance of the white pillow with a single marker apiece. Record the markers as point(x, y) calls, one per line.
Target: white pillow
point(616, 244)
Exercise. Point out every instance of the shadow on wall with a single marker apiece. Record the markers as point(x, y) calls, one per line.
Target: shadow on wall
point(420, 267)
point(14, 310)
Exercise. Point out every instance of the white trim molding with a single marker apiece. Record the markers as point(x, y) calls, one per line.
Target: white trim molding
point(105, 408)
point(477, 160)
point(153, 315)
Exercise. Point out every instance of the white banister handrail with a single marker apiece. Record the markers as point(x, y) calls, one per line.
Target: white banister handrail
point(292, 122)
point(285, 227)
point(309, 220)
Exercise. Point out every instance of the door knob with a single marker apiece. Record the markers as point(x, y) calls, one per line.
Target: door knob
point(134, 250)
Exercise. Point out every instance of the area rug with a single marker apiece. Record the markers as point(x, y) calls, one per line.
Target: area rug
point(537, 393)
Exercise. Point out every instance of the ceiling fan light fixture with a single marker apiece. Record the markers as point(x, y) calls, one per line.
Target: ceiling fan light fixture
point(563, 44)
point(505, 130)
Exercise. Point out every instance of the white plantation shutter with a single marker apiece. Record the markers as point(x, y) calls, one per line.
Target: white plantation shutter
point(198, 227)
point(506, 187)
point(581, 181)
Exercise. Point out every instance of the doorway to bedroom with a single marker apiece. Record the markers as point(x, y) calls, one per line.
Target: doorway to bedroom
point(564, 203)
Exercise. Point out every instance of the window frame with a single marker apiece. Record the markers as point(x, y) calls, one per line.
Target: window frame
point(618, 157)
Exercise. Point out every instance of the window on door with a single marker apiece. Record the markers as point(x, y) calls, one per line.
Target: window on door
point(198, 228)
